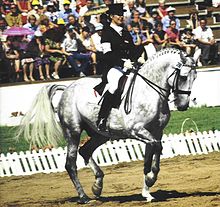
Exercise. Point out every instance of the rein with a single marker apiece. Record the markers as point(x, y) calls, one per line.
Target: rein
point(128, 98)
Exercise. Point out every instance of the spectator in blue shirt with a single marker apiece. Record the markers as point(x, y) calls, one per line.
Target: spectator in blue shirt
point(67, 11)
point(170, 16)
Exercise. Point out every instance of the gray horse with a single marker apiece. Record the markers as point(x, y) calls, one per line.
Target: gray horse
point(142, 115)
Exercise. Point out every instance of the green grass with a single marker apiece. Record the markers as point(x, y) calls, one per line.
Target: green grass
point(206, 118)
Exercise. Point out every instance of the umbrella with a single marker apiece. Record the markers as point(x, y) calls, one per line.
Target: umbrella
point(18, 31)
point(96, 10)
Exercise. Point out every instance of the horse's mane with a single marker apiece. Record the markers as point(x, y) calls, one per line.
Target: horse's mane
point(163, 52)
point(155, 66)
point(150, 63)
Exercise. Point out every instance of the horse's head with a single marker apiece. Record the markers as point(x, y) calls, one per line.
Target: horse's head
point(181, 80)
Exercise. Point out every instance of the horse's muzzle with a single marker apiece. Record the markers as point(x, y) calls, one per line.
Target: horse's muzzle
point(183, 108)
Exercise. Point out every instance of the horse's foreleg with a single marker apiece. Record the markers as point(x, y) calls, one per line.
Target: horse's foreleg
point(151, 168)
point(99, 175)
point(72, 148)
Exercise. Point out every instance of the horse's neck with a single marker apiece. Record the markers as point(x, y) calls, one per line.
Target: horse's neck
point(156, 69)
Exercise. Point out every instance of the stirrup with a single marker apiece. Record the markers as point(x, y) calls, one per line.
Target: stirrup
point(101, 124)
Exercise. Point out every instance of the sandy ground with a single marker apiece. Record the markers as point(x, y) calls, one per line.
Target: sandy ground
point(186, 181)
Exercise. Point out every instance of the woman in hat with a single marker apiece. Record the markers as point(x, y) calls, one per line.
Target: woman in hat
point(119, 50)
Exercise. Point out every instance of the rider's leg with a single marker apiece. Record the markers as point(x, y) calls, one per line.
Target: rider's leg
point(105, 110)
point(113, 78)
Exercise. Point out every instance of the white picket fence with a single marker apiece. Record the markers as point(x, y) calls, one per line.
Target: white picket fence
point(113, 152)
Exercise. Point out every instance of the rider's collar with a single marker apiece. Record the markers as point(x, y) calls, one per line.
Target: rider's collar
point(117, 28)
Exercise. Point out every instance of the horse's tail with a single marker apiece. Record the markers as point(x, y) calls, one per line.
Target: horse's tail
point(39, 126)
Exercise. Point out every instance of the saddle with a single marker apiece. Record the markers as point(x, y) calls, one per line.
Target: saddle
point(117, 95)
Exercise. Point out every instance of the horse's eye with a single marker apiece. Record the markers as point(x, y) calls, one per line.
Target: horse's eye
point(183, 78)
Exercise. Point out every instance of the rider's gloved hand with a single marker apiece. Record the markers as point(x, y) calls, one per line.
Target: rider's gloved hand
point(141, 60)
point(127, 65)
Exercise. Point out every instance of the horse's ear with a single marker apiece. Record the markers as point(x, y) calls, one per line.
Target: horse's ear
point(183, 57)
point(197, 55)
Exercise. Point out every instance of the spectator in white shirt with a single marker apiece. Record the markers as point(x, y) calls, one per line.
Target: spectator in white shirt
point(207, 43)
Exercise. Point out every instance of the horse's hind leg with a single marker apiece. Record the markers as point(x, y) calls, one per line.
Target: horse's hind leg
point(99, 175)
point(72, 149)
point(86, 152)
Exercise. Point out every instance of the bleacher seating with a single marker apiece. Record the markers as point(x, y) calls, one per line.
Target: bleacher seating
point(185, 7)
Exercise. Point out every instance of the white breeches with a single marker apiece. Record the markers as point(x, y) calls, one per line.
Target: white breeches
point(113, 76)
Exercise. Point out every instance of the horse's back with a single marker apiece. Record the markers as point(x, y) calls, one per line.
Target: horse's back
point(79, 99)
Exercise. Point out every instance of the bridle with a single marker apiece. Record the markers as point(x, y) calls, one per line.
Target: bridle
point(177, 76)
point(175, 88)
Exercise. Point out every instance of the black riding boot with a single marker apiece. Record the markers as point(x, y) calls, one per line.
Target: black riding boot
point(105, 111)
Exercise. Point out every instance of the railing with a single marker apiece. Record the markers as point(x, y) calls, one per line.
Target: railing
point(113, 152)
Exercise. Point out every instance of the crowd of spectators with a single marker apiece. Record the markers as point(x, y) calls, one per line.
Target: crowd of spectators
point(67, 35)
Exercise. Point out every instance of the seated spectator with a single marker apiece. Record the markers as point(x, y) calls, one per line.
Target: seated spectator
point(135, 20)
point(162, 9)
point(35, 49)
point(52, 13)
point(86, 22)
point(86, 39)
point(3, 23)
point(72, 21)
point(28, 62)
point(21, 43)
point(206, 42)
point(173, 36)
point(96, 38)
point(138, 37)
point(64, 14)
point(13, 56)
point(155, 18)
point(193, 20)
point(13, 18)
point(188, 41)
point(159, 36)
point(45, 24)
point(72, 47)
point(140, 6)
point(53, 39)
point(5, 6)
point(84, 9)
point(24, 7)
point(36, 9)
point(148, 43)
point(7, 72)
point(170, 16)
point(32, 24)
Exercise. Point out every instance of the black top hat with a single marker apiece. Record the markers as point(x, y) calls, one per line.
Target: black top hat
point(116, 9)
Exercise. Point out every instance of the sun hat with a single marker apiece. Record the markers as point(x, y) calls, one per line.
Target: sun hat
point(66, 2)
point(170, 8)
point(60, 21)
point(35, 3)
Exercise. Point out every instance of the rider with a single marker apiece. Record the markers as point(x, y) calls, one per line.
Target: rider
point(119, 50)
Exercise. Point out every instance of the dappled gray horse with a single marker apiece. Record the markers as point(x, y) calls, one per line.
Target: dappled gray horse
point(142, 115)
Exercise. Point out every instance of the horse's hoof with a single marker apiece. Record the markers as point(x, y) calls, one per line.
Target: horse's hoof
point(84, 200)
point(97, 190)
point(148, 196)
point(150, 199)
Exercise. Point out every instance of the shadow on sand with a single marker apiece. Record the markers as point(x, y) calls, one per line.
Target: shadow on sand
point(160, 195)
